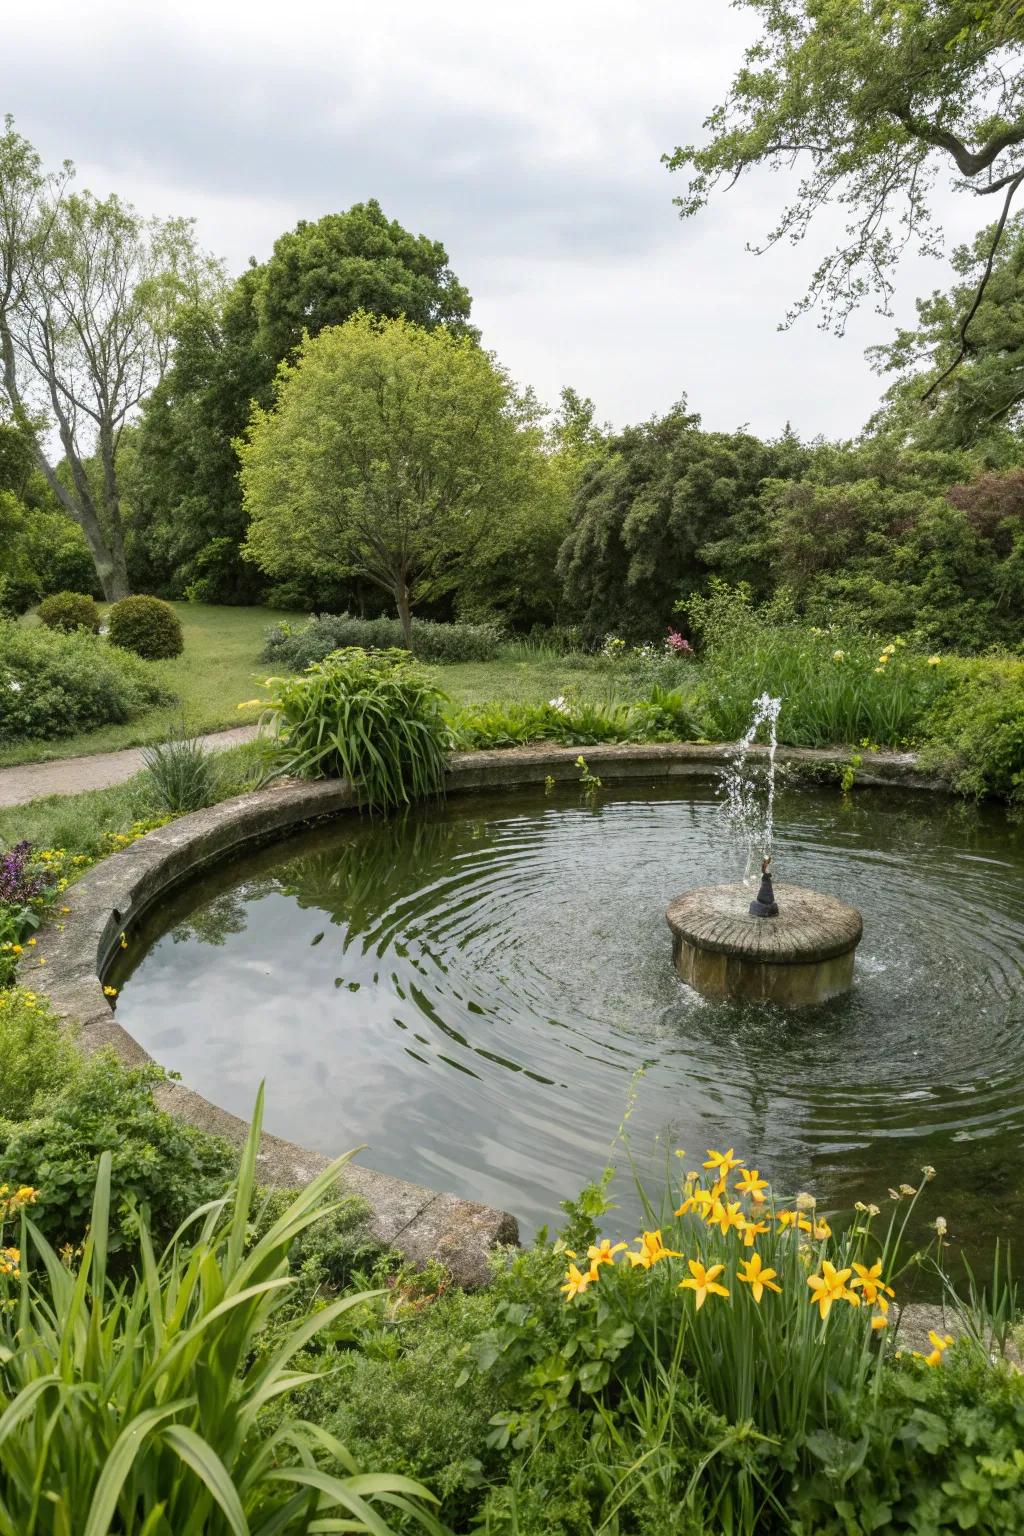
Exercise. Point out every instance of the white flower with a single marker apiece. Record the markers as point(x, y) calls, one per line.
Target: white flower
point(940, 1225)
point(14, 685)
point(559, 704)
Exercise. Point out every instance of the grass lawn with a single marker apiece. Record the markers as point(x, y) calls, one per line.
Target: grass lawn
point(219, 668)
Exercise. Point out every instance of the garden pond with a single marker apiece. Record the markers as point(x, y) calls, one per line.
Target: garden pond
point(482, 992)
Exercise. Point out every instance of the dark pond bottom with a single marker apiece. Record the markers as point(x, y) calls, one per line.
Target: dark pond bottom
point(472, 992)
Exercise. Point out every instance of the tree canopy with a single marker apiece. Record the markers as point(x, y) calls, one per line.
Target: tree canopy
point(391, 453)
point(869, 100)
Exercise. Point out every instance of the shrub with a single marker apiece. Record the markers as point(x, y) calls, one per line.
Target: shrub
point(372, 717)
point(18, 594)
point(40, 1058)
point(146, 625)
point(836, 689)
point(975, 733)
point(53, 684)
point(664, 715)
point(137, 1408)
point(298, 648)
point(157, 1160)
point(68, 611)
point(182, 773)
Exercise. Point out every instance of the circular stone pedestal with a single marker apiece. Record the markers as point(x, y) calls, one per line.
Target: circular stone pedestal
point(803, 955)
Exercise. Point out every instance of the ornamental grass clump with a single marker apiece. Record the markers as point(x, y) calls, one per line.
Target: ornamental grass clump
point(142, 1407)
point(373, 717)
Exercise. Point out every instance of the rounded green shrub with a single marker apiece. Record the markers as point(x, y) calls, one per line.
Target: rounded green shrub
point(146, 625)
point(54, 684)
point(68, 611)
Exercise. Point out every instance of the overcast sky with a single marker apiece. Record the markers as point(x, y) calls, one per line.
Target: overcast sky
point(526, 137)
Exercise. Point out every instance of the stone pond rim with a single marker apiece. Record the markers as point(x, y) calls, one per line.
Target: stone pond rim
point(421, 1223)
point(804, 955)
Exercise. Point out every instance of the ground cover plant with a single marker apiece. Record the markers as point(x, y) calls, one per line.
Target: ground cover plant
point(296, 646)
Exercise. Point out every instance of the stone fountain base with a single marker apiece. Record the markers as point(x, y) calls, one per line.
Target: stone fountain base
point(802, 956)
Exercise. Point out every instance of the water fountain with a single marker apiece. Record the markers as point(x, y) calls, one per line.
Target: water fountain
point(792, 946)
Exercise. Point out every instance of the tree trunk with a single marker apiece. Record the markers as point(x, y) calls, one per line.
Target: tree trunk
point(112, 497)
point(404, 606)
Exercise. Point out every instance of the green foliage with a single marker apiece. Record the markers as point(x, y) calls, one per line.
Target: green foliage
point(39, 1055)
point(157, 1160)
point(53, 684)
point(288, 646)
point(865, 98)
point(373, 717)
point(836, 688)
point(645, 513)
point(975, 735)
point(140, 1408)
point(148, 627)
point(663, 715)
point(390, 451)
point(68, 611)
point(182, 774)
point(187, 522)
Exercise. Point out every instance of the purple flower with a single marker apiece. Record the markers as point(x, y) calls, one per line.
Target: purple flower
point(18, 884)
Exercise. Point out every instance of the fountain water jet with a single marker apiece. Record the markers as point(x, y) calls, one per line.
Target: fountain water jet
point(792, 947)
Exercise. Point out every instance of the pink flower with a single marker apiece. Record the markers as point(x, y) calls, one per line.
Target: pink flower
point(676, 642)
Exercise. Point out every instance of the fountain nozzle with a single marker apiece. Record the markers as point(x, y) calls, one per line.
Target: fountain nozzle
point(764, 904)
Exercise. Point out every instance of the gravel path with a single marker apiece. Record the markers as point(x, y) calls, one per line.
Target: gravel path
point(72, 775)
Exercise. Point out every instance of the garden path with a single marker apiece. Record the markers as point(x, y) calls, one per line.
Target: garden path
point(73, 775)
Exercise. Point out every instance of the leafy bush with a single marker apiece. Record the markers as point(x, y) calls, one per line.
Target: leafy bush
point(53, 684)
point(298, 648)
point(68, 611)
point(40, 1058)
point(182, 773)
point(157, 1160)
point(372, 717)
point(138, 1408)
point(18, 594)
point(147, 626)
point(975, 733)
point(835, 689)
point(665, 715)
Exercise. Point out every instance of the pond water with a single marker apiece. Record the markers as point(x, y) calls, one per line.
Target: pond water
point(479, 990)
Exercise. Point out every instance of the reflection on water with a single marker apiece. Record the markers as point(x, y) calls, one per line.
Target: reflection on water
point(471, 990)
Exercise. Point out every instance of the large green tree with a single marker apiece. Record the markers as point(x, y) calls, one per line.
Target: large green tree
point(648, 510)
point(187, 513)
point(869, 101)
point(88, 291)
point(391, 453)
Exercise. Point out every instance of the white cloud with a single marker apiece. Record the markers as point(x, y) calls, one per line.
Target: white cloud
point(527, 138)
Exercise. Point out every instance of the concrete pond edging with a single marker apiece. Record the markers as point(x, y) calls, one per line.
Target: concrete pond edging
point(73, 954)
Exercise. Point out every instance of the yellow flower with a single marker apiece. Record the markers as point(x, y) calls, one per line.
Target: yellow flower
point(940, 1343)
point(752, 1230)
point(883, 659)
point(831, 1286)
point(701, 1200)
point(838, 655)
point(703, 1282)
point(871, 1285)
point(124, 941)
point(934, 661)
point(726, 1216)
point(651, 1250)
point(879, 669)
point(31, 943)
point(604, 1253)
point(752, 1184)
point(575, 1283)
point(888, 650)
point(109, 991)
point(757, 1277)
point(249, 704)
point(16, 949)
point(725, 1162)
point(879, 1321)
point(787, 1219)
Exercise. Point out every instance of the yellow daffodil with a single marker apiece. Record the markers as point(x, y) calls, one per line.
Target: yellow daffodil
point(603, 1253)
point(940, 1343)
point(757, 1277)
point(752, 1184)
point(575, 1283)
point(703, 1282)
point(651, 1249)
point(753, 1230)
point(725, 1217)
point(879, 1321)
point(725, 1162)
point(883, 659)
point(787, 1219)
point(871, 1285)
point(701, 1200)
point(831, 1286)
